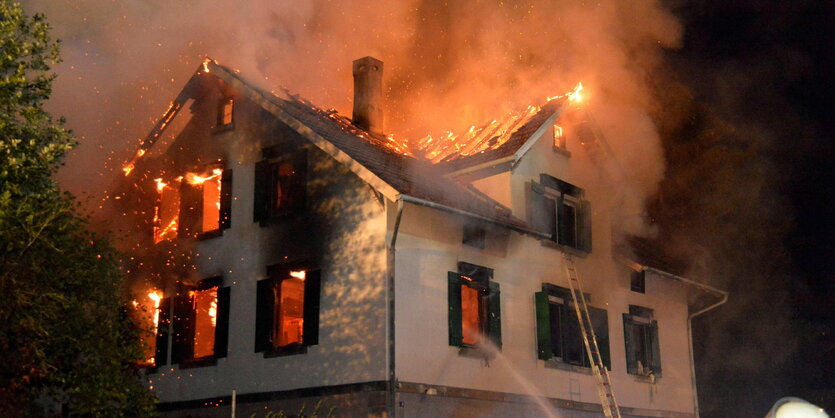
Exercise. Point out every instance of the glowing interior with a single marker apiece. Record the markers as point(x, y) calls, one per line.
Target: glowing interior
point(168, 213)
point(211, 204)
point(205, 320)
point(470, 315)
point(290, 317)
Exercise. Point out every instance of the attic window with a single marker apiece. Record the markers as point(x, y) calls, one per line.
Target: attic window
point(287, 310)
point(225, 113)
point(559, 138)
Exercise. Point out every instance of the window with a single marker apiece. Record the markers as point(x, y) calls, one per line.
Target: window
point(206, 206)
point(558, 208)
point(147, 314)
point(558, 333)
point(474, 235)
point(197, 203)
point(474, 307)
point(201, 323)
point(638, 282)
point(287, 310)
point(559, 138)
point(641, 339)
point(280, 186)
point(225, 113)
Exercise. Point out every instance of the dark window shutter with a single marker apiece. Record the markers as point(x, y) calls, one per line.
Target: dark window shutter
point(191, 209)
point(312, 290)
point(574, 351)
point(299, 181)
point(222, 322)
point(543, 326)
point(562, 224)
point(161, 354)
point(630, 344)
point(656, 352)
point(182, 346)
point(584, 226)
point(494, 314)
point(261, 193)
point(557, 312)
point(264, 314)
point(538, 213)
point(226, 199)
point(456, 334)
point(600, 324)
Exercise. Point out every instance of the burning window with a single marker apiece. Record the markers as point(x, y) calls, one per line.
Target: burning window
point(167, 212)
point(474, 308)
point(225, 113)
point(557, 208)
point(280, 186)
point(640, 333)
point(201, 322)
point(558, 333)
point(559, 138)
point(147, 311)
point(287, 317)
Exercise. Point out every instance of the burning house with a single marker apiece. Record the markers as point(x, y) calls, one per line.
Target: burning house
point(293, 259)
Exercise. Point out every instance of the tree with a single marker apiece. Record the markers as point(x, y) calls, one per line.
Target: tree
point(68, 342)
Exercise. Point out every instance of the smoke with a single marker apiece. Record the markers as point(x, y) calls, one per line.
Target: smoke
point(448, 64)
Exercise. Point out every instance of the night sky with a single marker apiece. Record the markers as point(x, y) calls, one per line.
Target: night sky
point(761, 78)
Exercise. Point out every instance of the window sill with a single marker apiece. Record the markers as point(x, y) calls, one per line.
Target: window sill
point(562, 151)
point(476, 353)
point(223, 128)
point(556, 364)
point(650, 378)
point(564, 248)
point(289, 350)
point(198, 362)
point(209, 234)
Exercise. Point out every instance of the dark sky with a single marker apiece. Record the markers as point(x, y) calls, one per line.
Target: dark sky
point(763, 70)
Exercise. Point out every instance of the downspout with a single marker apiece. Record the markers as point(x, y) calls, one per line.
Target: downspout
point(392, 380)
point(690, 345)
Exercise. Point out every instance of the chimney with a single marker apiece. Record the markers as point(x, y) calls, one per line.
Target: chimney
point(368, 94)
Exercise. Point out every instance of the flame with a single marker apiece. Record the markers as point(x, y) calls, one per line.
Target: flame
point(576, 95)
point(193, 178)
point(301, 274)
point(160, 184)
point(206, 65)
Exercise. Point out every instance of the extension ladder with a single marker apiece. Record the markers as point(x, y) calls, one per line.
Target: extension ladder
point(604, 384)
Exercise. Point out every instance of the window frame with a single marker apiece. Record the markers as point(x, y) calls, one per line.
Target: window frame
point(640, 322)
point(268, 307)
point(183, 323)
point(265, 210)
point(220, 126)
point(550, 193)
point(489, 308)
point(569, 331)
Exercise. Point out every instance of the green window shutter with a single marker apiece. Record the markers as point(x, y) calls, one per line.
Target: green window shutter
point(261, 202)
point(494, 313)
point(226, 199)
point(183, 325)
point(631, 344)
point(312, 289)
point(656, 352)
point(456, 335)
point(222, 322)
point(584, 226)
point(600, 324)
point(543, 326)
point(264, 314)
point(161, 354)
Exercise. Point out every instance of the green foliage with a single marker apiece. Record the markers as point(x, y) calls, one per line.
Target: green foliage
point(68, 344)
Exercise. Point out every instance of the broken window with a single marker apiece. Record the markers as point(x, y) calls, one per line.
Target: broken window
point(280, 186)
point(558, 334)
point(206, 202)
point(225, 113)
point(201, 322)
point(558, 208)
point(474, 307)
point(167, 211)
point(287, 310)
point(640, 332)
point(147, 314)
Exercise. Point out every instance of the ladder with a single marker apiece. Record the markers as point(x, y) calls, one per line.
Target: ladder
point(604, 384)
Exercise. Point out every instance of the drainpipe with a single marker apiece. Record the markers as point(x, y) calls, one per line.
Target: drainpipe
point(392, 381)
point(690, 346)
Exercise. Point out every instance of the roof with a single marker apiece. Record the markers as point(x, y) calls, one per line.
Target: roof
point(650, 254)
point(378, 160)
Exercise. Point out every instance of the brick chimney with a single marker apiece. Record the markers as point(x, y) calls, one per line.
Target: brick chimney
point(368, 94)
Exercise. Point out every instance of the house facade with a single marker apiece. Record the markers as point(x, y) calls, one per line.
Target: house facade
point(298, 261)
